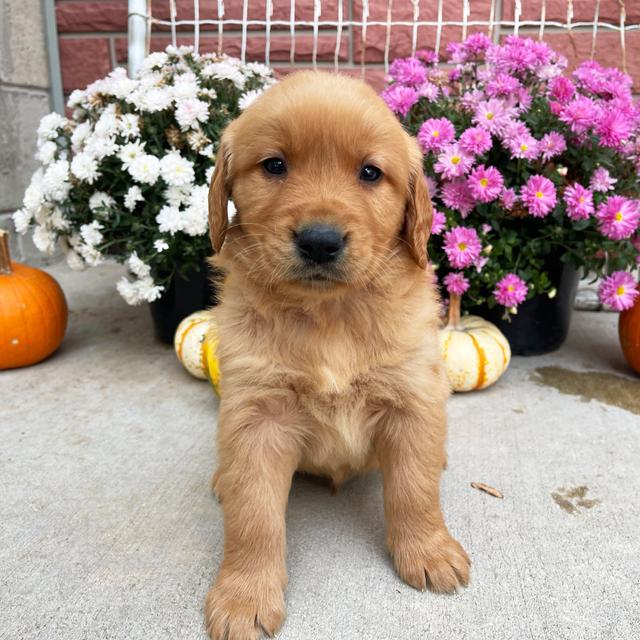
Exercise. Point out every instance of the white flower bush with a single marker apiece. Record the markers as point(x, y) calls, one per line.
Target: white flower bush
point(127, 175)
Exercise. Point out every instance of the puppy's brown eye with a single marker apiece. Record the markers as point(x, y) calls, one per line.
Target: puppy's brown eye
point(275, 166)
point(369, 173)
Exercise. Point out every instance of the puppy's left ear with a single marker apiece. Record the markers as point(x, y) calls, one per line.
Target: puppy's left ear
point(419, 213)
point(219, 193)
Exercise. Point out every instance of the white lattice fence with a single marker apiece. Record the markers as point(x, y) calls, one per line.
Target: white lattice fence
point(424, 24)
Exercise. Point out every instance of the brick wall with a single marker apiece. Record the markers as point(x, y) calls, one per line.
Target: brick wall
point(93, 36)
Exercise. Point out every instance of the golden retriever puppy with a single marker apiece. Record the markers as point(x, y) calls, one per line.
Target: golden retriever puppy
point(328, 350)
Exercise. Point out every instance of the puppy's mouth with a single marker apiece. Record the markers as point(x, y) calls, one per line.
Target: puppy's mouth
point(319, 277)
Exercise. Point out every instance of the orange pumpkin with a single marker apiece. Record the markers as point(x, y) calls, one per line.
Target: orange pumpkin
point(33, 312)
point(629, 330)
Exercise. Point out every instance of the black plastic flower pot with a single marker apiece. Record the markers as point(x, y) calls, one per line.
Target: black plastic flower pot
point(542, 323)
point(183, 296)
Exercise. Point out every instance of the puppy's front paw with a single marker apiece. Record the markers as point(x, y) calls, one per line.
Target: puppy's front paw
point(240, 608)
point(434, 560)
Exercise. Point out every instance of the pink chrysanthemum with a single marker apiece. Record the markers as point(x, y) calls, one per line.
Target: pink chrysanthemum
point(435, 133)
point(518, 139)
point(462, 246)
point(511, 290)
point(438, 222)
point(408, 71)
point(399, 98)
point(508, 198)
point(539, 196)
point(502, 84)
point(562, 89)
point(552, 145)
point(580, 114)
point(579, 202)
point(429, 91)
point(457, 195)
point(618, 217)
point(492, 115)
point(427, 56)
point(456, 283)
point(476, 140)
point(453, 162)
point(485, 183)
point(601, 180)
point(619, 291)
point(614, 127)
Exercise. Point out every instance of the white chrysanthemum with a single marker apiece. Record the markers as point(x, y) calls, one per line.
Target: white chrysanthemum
point(129, 125)
point(160, 245)
point(156, 59)
point(22, 220)
point(209, 174)
point(55, 181)
point(169, 219)
point(100, 200)
point(129, 152)
point(175, 170)
point(152, 99)
point(259, 69)
point(100, 147)
point(85, 167)
point(74, 261)
point(90, 233)
point(90, 255)
point(185, 87)
point(177, 196)
point(80, 134)
point(207, 151)
point(132, 197)
point(58, 221)
point(137, 266)
point(118, 84)
point(195, 216)
point(246, 99)
point(76, 98)
point(210, 94)
point(107, 124)
point(46, 152)
point(145, 168)
point(34, 193)
point(44, 239)
point(49, 125)
point(224, 71)
point(192, 111)
point(141, 290)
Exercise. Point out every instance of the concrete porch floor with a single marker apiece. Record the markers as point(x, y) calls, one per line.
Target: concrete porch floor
point(108, 528)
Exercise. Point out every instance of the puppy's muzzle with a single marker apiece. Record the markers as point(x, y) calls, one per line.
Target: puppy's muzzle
point(319, 244)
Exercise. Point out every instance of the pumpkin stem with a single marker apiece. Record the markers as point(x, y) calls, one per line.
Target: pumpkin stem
point(5, 255)
point(454, 311)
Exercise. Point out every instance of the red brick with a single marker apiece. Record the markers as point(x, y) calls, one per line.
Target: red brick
point(373, 75)
point(75, 16)
point(401, 37)
point(577, 48)
point(83, 60)
point(279, 52)
point(583, 10)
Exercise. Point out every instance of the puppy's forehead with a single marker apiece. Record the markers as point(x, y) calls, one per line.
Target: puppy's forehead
point(314, 113)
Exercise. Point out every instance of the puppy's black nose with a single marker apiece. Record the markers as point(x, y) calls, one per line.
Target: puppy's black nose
point(319, 243)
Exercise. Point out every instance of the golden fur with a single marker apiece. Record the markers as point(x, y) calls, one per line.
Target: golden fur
point(332, 377)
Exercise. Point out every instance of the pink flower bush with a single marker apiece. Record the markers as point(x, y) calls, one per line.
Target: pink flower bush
point(462, 246)
point(539, 196)
point(531, 164)
point(619, 291)
point(511, 290)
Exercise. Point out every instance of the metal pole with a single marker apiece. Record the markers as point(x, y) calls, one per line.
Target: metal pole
point(137, 35)
point(51, 37)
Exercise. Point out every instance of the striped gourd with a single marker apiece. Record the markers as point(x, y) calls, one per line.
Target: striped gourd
point(195, 343)
point(476, 353)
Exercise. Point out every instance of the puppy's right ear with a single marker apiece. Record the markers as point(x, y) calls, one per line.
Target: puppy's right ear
point(219, 193)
